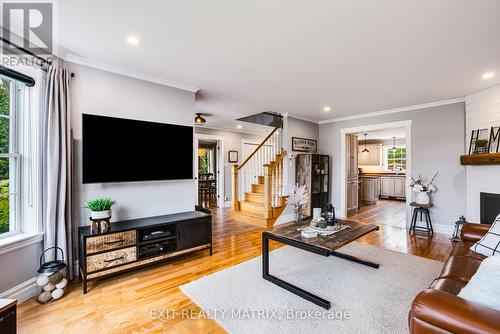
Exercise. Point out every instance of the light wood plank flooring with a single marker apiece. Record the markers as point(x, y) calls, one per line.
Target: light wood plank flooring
point(125, 304)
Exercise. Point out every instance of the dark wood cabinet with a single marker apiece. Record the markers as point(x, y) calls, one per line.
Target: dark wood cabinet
point(313, 170)
point(135, 243)
point(8, 316)
point(194, 233)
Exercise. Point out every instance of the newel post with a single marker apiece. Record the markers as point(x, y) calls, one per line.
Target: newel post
point(267, 191)
point(236, 203)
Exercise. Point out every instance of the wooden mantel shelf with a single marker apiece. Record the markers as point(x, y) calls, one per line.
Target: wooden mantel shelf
point(480, 159)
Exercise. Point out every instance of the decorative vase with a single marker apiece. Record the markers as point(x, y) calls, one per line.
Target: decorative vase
point(97, 215)
point(297, 213)
point(422, 198)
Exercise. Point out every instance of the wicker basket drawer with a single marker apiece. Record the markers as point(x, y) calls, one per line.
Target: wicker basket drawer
point(110, 241)
point(111, 259)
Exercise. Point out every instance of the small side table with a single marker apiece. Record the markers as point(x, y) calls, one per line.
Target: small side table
point(423, 209)
point(8, 316)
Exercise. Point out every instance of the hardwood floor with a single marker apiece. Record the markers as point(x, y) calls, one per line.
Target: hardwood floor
point(140, 302)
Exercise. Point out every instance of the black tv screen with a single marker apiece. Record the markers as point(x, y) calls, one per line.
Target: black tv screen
point(123, 150)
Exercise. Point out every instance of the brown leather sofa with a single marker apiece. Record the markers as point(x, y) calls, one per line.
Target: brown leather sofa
point(439, 309)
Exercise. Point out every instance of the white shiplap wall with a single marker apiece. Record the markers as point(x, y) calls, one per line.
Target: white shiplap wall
point(482, 111)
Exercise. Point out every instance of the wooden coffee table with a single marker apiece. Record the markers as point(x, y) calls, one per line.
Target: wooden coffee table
point(289, 234)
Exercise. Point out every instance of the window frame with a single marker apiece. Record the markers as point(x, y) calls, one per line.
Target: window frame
point(386, 157)
point(14, 156)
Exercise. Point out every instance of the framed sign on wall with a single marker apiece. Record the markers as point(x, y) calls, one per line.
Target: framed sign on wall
point(232, 156)
point(304, 144)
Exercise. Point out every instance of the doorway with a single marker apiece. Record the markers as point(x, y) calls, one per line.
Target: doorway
point(376, 160)
point(209, 171)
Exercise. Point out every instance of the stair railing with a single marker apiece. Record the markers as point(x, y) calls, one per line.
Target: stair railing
point(273, 184)
point(248, 172)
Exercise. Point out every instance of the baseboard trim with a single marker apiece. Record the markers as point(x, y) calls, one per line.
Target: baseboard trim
point(21, 292)
point(443, 229)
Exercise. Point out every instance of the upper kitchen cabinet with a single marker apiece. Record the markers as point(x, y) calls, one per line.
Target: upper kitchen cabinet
point(371, 158)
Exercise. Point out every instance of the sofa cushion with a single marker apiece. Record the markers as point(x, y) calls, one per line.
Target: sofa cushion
point(447, 285)
point(489, 245)
point(484, 286)
point(460, 268)
point(463, 249)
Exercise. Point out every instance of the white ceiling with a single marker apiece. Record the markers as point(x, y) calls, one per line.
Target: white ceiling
point(399, 133)
point(293, 56)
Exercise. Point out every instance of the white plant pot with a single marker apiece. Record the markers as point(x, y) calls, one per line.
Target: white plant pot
point(100, 214)
point(422, 198)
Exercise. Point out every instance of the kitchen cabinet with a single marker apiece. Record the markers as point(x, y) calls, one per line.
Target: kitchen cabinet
point(352, 174)
point(372, 158)
point(393, 186)
point(370, 189)
point(399, 187)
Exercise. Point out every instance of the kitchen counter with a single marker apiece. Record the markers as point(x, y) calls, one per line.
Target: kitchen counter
point(380, 174)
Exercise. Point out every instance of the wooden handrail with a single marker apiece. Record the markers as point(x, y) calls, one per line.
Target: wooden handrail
point(258, 147)
point(279, 158)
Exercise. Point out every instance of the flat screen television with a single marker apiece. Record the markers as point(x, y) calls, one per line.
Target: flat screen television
point(125, 150)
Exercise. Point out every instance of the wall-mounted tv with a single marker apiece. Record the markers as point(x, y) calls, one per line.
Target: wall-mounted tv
point(124, 150)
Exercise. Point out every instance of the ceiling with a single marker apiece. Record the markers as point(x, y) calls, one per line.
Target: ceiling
point(292, 56)
point(399, 133)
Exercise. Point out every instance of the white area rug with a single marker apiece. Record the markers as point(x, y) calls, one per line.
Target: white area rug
point(364, 300)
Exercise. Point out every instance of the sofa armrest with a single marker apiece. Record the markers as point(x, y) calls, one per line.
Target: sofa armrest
point(474, 232)
point(442, 310)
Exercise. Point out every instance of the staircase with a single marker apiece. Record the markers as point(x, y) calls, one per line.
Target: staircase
point(258, 183)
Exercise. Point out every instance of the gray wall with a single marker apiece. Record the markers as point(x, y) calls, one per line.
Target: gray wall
point(302, 129)
point(437, 143)
point(103, 93)
point(19, 266)
point(296, 128)
point(232, 142)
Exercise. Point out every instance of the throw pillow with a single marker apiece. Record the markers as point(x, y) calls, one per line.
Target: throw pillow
point(490, 243)
point(484, 287)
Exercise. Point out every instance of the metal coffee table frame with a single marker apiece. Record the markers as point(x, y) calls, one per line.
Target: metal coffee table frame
point(266, 236)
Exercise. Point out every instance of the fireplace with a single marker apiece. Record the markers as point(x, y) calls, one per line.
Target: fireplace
point(490, 207)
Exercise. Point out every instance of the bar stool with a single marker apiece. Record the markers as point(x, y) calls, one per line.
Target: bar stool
point(423, 209)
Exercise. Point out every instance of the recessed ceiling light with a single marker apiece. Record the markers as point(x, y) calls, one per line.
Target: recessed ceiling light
point(327, 109)
point(133, 40)
point(488, 75)
point(239, 126)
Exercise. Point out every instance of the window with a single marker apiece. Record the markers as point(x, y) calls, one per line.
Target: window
point(9, 157)
point(395, 159)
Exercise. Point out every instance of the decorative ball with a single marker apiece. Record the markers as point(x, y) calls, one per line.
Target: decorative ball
point(57, 293)
point(42, 280)
point(62, 284)
point(55, 278)
point(44, 297)
point(49, 287)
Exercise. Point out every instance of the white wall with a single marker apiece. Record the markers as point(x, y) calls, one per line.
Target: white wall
point(437, 143)
point(482, 111)
point(103, 93)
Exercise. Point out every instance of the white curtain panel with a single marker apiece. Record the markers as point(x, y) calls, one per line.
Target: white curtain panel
point(57, 163)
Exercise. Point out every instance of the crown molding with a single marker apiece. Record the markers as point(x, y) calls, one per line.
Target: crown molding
point(121, 71)
point(303, 119)
point(396, 110)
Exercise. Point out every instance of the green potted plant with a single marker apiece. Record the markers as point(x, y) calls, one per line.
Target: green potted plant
point(100, 208)
point(480, 145)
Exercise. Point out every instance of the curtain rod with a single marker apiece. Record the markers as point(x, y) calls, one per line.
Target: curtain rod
point(43, 62)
